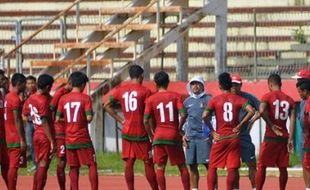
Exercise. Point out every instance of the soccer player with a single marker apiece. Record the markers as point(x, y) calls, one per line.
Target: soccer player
point(135, 141)
point(31, 88)
point(37, 107)
point(247, 147)
point(76, 109)
point(14, 129)
point(302, 75)
point(4, 160)
point(197, 144)
point(303, 87)
point(275, 108)
point(226, 149)
point(164, 108)
point(59, 128)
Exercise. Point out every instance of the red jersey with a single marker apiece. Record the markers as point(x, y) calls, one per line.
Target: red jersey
point(59, 126)
point(306, 125)
point(164, 107)
point(12, 103)
point(131, 97)
point(2, 129)
point(227, 107)
point(37, 107)
point(74, 107)
point(278, 108)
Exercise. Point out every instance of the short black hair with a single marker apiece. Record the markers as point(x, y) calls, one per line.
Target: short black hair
point(30, 77)
point(78, 79)
point(2, 73)
point(225, 81)
point(45, 80)
point(274, 78)
point(135, 71)
point(18, 78)
point(161, 79)
point(303, 84)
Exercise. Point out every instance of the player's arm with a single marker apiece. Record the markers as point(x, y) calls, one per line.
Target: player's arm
point(89, 110)
point(292, 128)
point(108, 106)
point(148, 120)
point(20, 127)
point(250, 112)
point(206, 116)
point(263, 112)
point(47, 131)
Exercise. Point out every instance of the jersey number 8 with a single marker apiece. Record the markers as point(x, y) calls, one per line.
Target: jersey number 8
point(227, 114)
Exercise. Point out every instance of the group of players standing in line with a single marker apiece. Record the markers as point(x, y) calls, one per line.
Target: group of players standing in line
point(153, 129)
point(155, 126)
point(60, 127)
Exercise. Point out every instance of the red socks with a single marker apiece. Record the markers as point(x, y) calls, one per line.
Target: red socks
point(74, 177)
point(211, 178)
point(41, 176)
point(160, 175)
point(150, 174)
point(260, 177)
point(61, 177)
point(129, 176)
point(93, 176)
point(185, 177)
point(4, 173)
point(12, 178)
point(231, 178)
point(283, 178)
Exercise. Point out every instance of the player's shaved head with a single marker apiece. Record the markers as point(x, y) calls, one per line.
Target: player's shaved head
point(135, 71)
point(31, 78)
point(225, 81)
point(275, 79)
point(78, 79)
point(44, 81)
point(161, 79)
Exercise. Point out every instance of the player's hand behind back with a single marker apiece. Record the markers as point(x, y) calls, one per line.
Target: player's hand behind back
point(277, 130)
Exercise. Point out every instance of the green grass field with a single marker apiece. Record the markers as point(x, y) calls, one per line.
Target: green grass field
point(112, 164)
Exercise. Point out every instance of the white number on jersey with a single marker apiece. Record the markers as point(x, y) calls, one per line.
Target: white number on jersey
point(34, 114)
point(282, 106)
point(5, 110)
point(227, 114)
point(169, 106)
point(131, 102)
point(75, 106)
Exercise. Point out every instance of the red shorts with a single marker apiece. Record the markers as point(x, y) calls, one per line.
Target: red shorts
point(60, 148)
point(42, 148)
point(4, 158)
point(17, 158)
point(81, 156)
point(273, 154)
point(137, 150)
point(306, 162)
point(225, 153)
point(174, 152)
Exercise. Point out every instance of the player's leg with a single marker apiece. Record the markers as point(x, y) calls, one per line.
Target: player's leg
point(232, 163)
point(231, 178)
point(160, 158)
point(61, 163)
point(260, 177)
point(129, 173)
point(74, 164)
point(212, 178)
point(194, 176)
point(15, 157)
point(74, 177)
point(252, 173)
point(283, 178)
point(306, 169)
point(4, 163)
point(41, 174)
point(184, 176)
point(93, 176)
point(177, 157)
point(4, 173)
point(150, 173)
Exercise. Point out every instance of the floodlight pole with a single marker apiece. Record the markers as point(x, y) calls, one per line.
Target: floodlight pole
point(221, 41)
